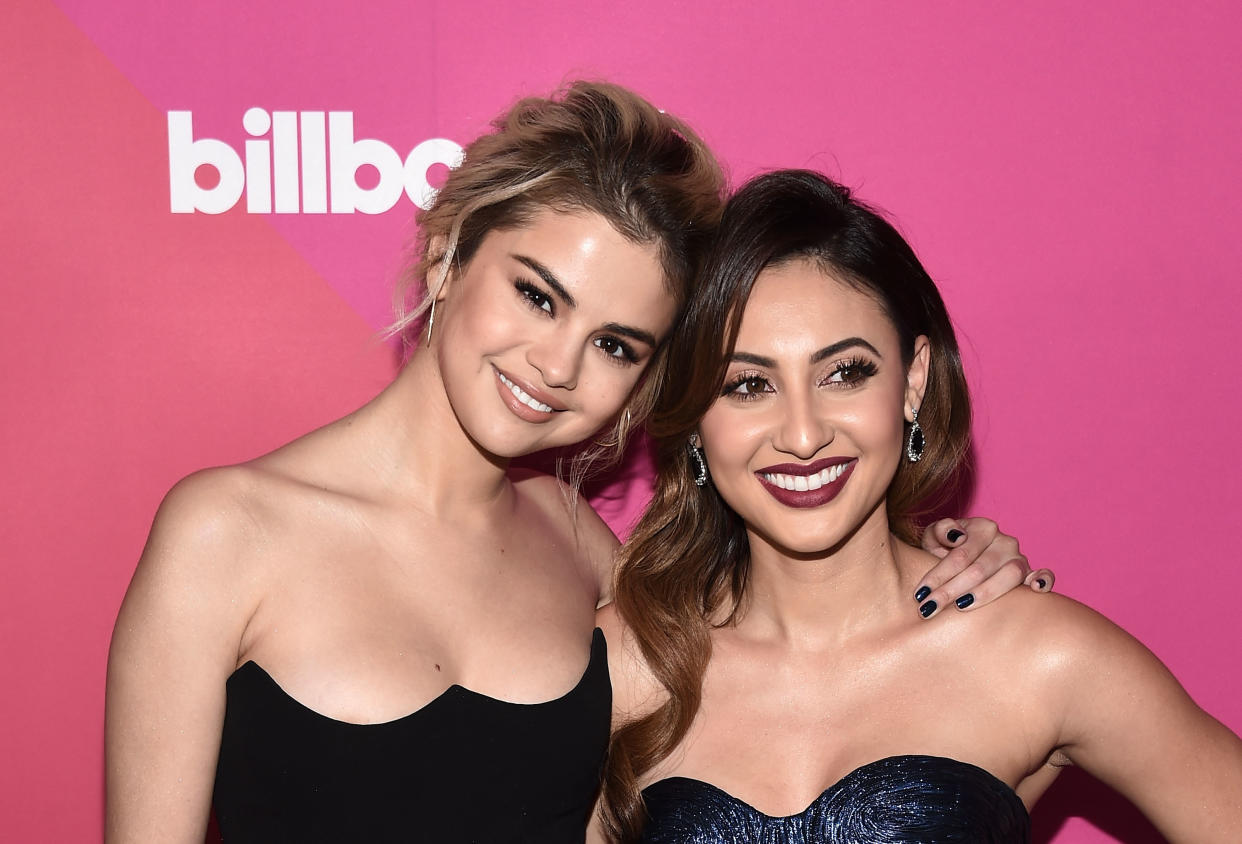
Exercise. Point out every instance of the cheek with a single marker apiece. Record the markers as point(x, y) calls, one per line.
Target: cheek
point(609, 389)
point(883, 432)
point(880, 434)
point(730, 439)
point(482, 324)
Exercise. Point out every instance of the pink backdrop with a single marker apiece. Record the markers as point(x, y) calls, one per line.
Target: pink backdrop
point(1070, 175)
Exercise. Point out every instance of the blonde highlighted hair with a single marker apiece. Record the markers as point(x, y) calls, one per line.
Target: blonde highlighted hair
point(593, 147)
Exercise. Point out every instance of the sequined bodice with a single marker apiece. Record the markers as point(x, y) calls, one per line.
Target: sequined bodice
point(899, 800)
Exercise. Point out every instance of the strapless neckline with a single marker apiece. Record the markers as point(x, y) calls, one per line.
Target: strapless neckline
point(464, 766)
point(261, 675)
point(840, 784)
point(895, 800)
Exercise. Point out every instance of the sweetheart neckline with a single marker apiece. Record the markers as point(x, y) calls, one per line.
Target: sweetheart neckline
point(597, 641)
point(836, 786)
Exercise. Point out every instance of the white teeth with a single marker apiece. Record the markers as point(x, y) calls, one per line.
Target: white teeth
point(804, 483)
point(523, 396)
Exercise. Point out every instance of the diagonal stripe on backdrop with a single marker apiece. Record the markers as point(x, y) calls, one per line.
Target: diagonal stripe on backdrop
point(137, 346)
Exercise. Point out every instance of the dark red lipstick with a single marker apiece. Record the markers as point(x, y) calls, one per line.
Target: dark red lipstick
point(830, 473)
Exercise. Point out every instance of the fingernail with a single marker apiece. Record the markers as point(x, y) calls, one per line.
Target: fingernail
point(955, 535)
point(927, 609)
point(1041, 583)
point(965, 601)
point(923, 592)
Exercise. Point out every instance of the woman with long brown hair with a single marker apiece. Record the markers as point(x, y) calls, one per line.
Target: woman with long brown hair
point(770, 681)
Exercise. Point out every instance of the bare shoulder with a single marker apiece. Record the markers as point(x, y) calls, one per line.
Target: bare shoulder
point(1054, 633)
point(1121, 715)
point(203, 556)
point(594, 539)
point(216, 518)
point(1074, 666)
point(204, 518)
point(635, 690)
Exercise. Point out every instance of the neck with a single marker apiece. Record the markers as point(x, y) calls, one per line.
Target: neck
point(416, 449)
point(825, 598)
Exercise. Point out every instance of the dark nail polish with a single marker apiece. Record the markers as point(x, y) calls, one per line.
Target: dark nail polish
point(923, 592)
point(927, 609)
point(1041, 583)
point(955, 535)
point(965, 601)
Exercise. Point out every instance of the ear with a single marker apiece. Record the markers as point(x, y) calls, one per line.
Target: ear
point(695, 441)
point(916, 375)
point(440, 276)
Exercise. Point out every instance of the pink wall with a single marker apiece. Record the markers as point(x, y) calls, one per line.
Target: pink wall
point(1070, 175)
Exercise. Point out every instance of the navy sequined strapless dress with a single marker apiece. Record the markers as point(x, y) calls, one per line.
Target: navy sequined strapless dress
point(899, 800)
point(464, 768)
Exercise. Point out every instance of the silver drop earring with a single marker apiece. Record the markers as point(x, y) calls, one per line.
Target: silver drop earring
point(431, 320)
point(916, 442)
point(700, 462)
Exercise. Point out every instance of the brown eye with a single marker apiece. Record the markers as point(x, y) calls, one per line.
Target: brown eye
point(534, 297)
point(851, 372)
point(750, 386)
point(616, 350)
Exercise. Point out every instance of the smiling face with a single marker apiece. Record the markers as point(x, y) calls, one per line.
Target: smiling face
point(808, 431)
point(546, 332)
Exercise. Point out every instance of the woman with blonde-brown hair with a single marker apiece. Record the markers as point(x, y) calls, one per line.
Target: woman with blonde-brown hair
point(770, 682)
point(369, 634)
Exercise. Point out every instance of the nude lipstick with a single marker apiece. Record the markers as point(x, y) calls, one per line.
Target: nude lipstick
point(525, 400)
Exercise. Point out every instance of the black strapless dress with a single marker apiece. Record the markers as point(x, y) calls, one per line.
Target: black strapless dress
point(464, 768)
point(899, 800)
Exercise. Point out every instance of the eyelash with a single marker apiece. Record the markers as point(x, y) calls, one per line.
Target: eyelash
point(627, 356)
point(534, 297)
point(731, 386)
point(536, 300)
point(863, 367)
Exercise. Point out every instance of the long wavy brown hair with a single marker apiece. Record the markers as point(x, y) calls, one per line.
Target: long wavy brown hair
point(688, 560)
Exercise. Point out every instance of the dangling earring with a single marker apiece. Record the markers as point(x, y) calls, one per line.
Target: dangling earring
point(700, 462)
point(431, 320)
point(915, 443)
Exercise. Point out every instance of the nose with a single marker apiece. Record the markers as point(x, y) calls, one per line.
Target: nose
point(804, 427)
point(558, 357)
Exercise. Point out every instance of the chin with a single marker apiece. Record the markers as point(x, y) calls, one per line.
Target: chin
point(815, 543)
point(509, 443)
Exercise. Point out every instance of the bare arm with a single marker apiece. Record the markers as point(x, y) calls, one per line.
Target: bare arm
point(176, 641)
point(1127, 721)
point(635, 690)
point(600, 546)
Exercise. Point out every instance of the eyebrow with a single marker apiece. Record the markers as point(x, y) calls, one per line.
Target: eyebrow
point(550, 279)
point(633, 333)
point(826, 352)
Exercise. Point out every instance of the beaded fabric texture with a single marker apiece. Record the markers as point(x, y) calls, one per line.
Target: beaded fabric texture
point(899, 800)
